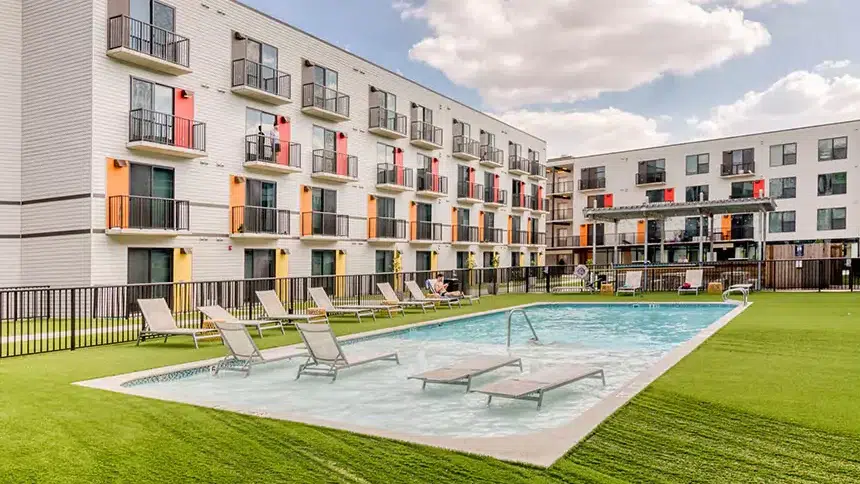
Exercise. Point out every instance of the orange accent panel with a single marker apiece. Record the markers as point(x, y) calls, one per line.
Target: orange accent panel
point(669, 195)
point(607, 200)
point(510, 227)
point(758, 189)
point(726, 227)
point(413, 219)
point(237, 199)
point(640, 232)
point(284, 133)
point(371, 217)
point(305, 203)
point(583, 235)
point(183, 109)
point(117, 185)
point(341, 148)
point(481, 225)
point(453, 224)
point(540, 199)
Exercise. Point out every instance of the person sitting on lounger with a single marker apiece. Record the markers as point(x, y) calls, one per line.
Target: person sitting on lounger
point(440, 288)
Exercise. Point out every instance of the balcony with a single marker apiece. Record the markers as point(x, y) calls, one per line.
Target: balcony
point(385, 230)
point(134, 215)
point(466, 149)
point(561, 188)
point(165, 134)
point(492, 236)
point(518, 237)
point(425, 232)
point(564, 215)
point(393, 178)
point(517, 165)
point(738, 170)
point(260, 82)
point(734, 234)
point(261, 154)
point(387, 123)
point(492, 157)
point(493, 197)
point(250, 222)
point(541, 205)
point(536, 238)
point(651, 178)
point(324, 226)
point(147, 46)
point(564, 241)
point(593, 184)
point(537, 170)
point(325, 103)
point(425, 135)
point(469, 193)
point(521, 203)
point(430, 185)
point(465, 235)
point(333, 166)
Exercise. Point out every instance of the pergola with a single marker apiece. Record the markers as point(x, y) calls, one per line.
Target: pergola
point(664, 210)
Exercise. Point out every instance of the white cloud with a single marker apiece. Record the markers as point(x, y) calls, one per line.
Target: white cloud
point(747, 4)
point(583, 133)
point(831, 65)
point(800, 98)
point(520, 52)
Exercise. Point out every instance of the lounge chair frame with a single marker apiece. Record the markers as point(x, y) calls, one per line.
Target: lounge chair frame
point(277, 311)
point(225, 316)
point(335, 310)
point(418, 295)
point(391, 298)
point(318, 366)
point(467, 380)
point(537, 395)
point(242, 363)
point(149, 312)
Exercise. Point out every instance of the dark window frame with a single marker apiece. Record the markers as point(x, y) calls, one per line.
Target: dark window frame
point(784, 192)
point(695, 190)
point(699, 164)
point(833, 226)
point(827, 187)
point(785, 158)
point(778, 221)
point(832, 152)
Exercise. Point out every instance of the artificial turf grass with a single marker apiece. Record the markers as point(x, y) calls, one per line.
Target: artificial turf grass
point(56, 432)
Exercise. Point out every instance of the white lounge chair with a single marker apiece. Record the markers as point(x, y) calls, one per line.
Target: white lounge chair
point(275, 310)
point(324, 303)
point(430, 284)
point(391, 298)
point(462, 372)
point(243, 351)
point(692, 281)
point(158, 321)
point(216, 313)
point(325, 355)
point(418, 295)
point(533, 386)
point(632, 283)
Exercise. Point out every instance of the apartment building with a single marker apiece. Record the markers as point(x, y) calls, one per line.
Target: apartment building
point(153, 141)
point(806, 171)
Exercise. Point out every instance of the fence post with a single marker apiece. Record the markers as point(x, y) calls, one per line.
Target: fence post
point(528, 276)
point(546, 274)
point(73, 319)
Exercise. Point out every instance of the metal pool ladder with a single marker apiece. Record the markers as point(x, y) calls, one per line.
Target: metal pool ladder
point(511, 315)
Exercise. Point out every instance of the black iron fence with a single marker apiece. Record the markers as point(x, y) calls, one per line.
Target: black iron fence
point(126, 32)
point(264, 78)
point(324, 224)
point(386, 228)
point(147, 213)
point(259, 220)
point(145, 125)
point(425, 231)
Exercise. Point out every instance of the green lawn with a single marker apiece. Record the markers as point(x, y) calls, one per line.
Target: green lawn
point(773, 397)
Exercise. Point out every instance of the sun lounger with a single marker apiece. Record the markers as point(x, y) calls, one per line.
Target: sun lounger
point(325, 306)
point(430, 284)
point(243, 351)
point(632, 283)
point(418, 295)
point(158, 321)
point(217, 313)
point(533, 386)
point(462, 372)
point(692, 282)
point(275, 310)
point(391, 298)
point(325, 355)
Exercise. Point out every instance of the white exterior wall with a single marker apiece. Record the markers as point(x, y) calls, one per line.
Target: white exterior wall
point(10, 143)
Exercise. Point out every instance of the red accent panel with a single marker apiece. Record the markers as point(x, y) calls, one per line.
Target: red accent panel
point(522, 194)
point(340, 146)
point(434, 169)
point(183, 109)
point(668, 196)
point(607, 200)
point(284, 133)
point(471, 182)
point(398, 164)
point(758, 188)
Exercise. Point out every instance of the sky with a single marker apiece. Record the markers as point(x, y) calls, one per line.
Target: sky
point(593, 76)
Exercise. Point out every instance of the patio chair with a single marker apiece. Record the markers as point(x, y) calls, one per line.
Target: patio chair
point(158, 321)
point(391, 298)
point(418, 295)
point(243, 351)
point(430, 284)
point(325, 306)
point(692, 282)
point(325, 355)
point(533, 386)
point(217, 313)
point(275, 310)
point(632, 283)
point(462, 372)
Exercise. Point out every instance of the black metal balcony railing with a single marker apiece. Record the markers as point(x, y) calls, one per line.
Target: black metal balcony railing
point(255, 75)
point(334, 163)
point(324, 224)
point(148, 213)
point(262, 148)
point(467, 233)
point(495, 195)
point(492, 154)
point(466, 146)
point(561, 187)
point(564, 241)
point(537, 168)
point(518, 163)
point(422, 131)
point(561, 214)
point(522, 201)
point(537, 238)
point(391, 174)
point(651, 177)
point(429, 182)
point(735, 233)
point(518, 237)
point(428, 231)
point(470, 190)
point(493, 235)
point(166, 129)
point(386, 228)
point(594, 183)
point(126, 32)
point(747, 167)
point(321, 97)
point(246, 219)
point(534, 203)
point(387, 119)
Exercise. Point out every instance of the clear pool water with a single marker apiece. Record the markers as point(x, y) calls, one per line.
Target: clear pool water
point(622, 339)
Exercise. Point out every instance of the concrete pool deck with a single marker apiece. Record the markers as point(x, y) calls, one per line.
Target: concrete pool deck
point(539, 448)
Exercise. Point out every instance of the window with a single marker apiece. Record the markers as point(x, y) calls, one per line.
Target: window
point(781, 155)
point(384, 153)
point(384, 207)
point(462, 129)
point(259, 263)
point(154, 13)
point(489, 139)
point(831, 218)
point(260, 193)
point(596, 201)
point(324, 210)
point(257, 122)
point(150, 266)
point(324, 139)
point(783, 187)
point(697, 193)
point(781, 222)
point(151, 189)
point(832, 184)
point(463, 173)
point(655, 196)
point(422, 260)
point(422, 114)
point(488, 259)
point(464, 216)
point(691, 228)
point(698, 164)
point(592, 178)
point(262, 54)
point(833, 149)
point(737, 162)
point(490, 220)
point(742, 189)
point(652, 171)
point(515, 150)
point(533, 155)
point(384, 261)
point(325, 77)
point(323, 264)
point(386, 100)
point(462, 260)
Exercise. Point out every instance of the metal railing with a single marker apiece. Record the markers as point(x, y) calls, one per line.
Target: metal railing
point(257, 76)
point(540, 204)
point(522, 201)
point(429, 231)
point(391, 174)
point(518, 163)
point(561, 187)
point(129, 33)
point(519, 237)
point(421, 131)
point(537, 238)
point(147, 213)
point(321, 97)
point(747, 167)
point(493, 155)
point(470, 190)
point(734, 233)
point(593, 183)
point(429, 182)
point(166, 129)
point(561, 214)
point(493, 235)
point(466, 146)
point(537, 168)
point(495, 195)
point(651, 177)
point(247, 219)
point(564, 241)
point(466, 233)
point(386, 228)
point(387, 119)
point(325, 224)
point(334, 163)
point(262, 148)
